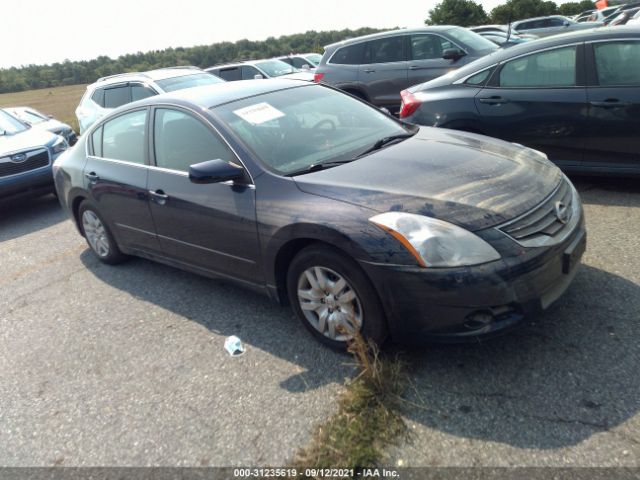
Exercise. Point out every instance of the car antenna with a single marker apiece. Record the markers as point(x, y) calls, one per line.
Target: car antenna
point(509, 27)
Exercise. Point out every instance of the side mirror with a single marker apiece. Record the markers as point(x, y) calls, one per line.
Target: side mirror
point(215, 171)
point(304, 67)
point(565, 23)
point(452, 54)
point(49, 116)
point(385, 110)
point(258, 76)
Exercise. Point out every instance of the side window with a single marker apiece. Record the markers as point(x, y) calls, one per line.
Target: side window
point(479, 78)
point(351, 55)
point(138, 92)
point(96, 141)
point(299, 63)
point(249, 73)
point(286, 60)
point(425, 47)
point(386, 50)
point(553, 68)
point(116, 97)
point(180, 140)
point(124, 137)
point(555, 22)
point(98, 97)
point(618, 63)
point(230, 74)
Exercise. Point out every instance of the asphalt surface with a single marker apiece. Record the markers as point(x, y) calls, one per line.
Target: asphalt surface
point(125, 365)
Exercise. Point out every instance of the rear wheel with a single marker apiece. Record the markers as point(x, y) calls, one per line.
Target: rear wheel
point(98, 236)
point(332, 297)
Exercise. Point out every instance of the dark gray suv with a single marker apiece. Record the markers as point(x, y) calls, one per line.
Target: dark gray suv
point(377, 67)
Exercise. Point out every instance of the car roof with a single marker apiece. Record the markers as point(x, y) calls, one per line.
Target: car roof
point(153, 75)
point(244, 62)
point(214, 95)
point(540, 18)
point(373, 36)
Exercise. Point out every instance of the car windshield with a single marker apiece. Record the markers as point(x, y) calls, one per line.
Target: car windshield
point(187, 81)
point(29, 115)
point(10, 125)
point(275, 68)
point(314, 58)
point(291, 130)
point(471, 39)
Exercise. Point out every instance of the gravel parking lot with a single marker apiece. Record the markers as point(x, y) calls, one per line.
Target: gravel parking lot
point(125, 365)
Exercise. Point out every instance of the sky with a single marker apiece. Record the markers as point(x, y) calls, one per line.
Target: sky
point(44, 32)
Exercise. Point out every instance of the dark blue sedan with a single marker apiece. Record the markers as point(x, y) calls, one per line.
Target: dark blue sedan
point(320, 200)
point(575, 97)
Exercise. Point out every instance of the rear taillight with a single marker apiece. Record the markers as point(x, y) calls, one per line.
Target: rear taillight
point(409, 103)
point(317, 77)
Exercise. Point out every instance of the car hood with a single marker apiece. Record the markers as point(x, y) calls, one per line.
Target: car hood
point(308, 76)
point(470, 180)
point(31, 138)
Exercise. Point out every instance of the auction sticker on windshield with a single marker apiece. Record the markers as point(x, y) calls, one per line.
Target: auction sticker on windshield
point(259, 113)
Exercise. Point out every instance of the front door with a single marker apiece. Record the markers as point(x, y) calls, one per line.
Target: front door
point(208, 226)
point(538, 100)
point(614, 105)
point(425, 57)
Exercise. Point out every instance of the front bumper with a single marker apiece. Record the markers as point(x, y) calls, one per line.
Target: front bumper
point(32, 183)
point(468, 303)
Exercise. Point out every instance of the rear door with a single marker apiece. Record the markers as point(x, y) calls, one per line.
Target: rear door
point(116, 177)
point(614, 104)
point(425, 57)
point(539, 100)
point(384, 70)
point(208, 226)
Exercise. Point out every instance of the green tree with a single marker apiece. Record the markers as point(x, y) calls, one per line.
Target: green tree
point(465, 13)
point(574, 8)
point(514, 10)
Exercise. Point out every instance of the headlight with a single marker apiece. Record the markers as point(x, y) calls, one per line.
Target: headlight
point(59, 146)
point(435, 243)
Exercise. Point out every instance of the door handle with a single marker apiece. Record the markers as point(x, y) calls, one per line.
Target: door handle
point(159, 196)
point(610, 103)
point(92, 176)
point(493, 100)
point(414, 67)
point(369, 70)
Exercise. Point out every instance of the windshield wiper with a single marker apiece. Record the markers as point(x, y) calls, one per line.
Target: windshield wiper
point(383, 142)
point(314, 167)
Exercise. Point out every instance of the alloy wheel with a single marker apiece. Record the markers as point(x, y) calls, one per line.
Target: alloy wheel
point(96, 233)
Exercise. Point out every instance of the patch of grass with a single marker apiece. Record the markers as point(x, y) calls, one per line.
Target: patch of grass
point(368, 418)
point(61, 102)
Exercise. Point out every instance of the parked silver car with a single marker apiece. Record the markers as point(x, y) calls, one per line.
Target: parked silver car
point(258, 69)
point(303, 61)
point(42, 121)
point(551, 25)
point(116, 90)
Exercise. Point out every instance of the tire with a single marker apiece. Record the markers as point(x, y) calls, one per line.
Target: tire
point(347, 297)
point(98, 236)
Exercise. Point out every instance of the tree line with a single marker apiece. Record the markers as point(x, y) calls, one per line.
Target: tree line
point(69, 72)
point(467, 13)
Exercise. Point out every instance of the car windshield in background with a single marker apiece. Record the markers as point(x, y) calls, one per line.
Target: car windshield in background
point(276, 68)
point(291, 130)
point(9, 125)
point(29, 116)
point(314, 58)
point(472, 39)
point(187, 81)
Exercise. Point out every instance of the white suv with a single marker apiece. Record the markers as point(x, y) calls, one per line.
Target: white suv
point(113, 91)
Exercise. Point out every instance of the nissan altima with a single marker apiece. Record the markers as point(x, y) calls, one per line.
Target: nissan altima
point(317, 199)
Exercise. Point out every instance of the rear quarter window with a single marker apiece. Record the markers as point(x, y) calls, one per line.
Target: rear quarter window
point(98, 97)
point(349, 55)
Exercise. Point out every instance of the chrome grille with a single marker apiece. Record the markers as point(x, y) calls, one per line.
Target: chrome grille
point(35, 159)
point(545, 219)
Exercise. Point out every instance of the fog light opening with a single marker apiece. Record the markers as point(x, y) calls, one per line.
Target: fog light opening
point(479, 320)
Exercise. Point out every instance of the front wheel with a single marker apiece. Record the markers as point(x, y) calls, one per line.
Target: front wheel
point(332, 297)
